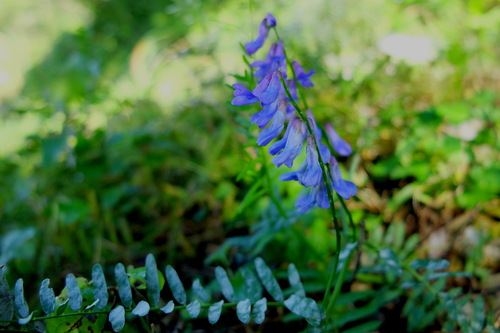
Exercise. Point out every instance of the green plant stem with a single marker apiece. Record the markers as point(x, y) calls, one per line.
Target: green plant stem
point(327, 180)
point(156, 308)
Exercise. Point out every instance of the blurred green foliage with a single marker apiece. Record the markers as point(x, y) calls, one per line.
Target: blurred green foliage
point(118, 139)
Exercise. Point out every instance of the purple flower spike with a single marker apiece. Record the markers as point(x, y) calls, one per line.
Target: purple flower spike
point(280, 144)
point(344, 188)
point(276, 127)
point(270, 20)
point(254, 46)
point(340, 146)
point(303, 77)
point(312, 174)
point(243, 96)
point(293, 145)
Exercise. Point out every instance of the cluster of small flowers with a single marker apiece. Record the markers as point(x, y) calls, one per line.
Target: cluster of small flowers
point(278, 110)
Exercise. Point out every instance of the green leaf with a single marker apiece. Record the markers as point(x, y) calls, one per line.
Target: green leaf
point(305, 307)
point(74, 293)
point(152, 282)
point(100, 288)
point(478, 317)
point(259, 310)
point(253, 287)
point(345, 254)
point(123, 285)
point(214, 312)
point(225, 284)
point(24, 321)
point(47, 297)
point(294, 279)
point(6, 301)
point(268, 280)
point(370, 326)
point(168, 308)
point(199, 291)
point(19, 300)
point(193, 308)
point(430, 264)
point(141, 309)
point(175, 285)
point(117, 318)
point(243, 310)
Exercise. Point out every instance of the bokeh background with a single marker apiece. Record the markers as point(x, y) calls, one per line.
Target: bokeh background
point(118, 139)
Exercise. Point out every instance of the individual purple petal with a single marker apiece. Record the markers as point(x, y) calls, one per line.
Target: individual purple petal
point(253, 46)
point(290, 111)
point(294, 175)
point(269, 88)
point(276, 127)
point(344, 188)
point(306, 202)
point(322, 197)
point(293, 145)
point(324, 151)
point(312, 174)
point(270, 20)
point(280, 144)
point(264, 116)
point(303, 78)
point(340, 146)
point(275, 61)
point(314, 126)
point(243, 95)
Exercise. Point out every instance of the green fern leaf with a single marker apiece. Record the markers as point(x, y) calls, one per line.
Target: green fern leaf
point(152, 282)
point(168, 308)
point(225, 284)
point(214, 312)
point(47, 297)
point(141, 309)
point(175, 285)
point(193, 308)
point(6, 301)
point(304, 307)
point(243, 311)
point(294, 279)
point(100, 288)
point(19, 301)
point(259, 310)
point(123, 285)
point(268, 280)
point(199, 291)
point(253, 287)
point(74, 293)
point(117, 318)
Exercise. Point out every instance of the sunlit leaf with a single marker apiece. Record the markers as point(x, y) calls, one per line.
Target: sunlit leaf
point(253, 287)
